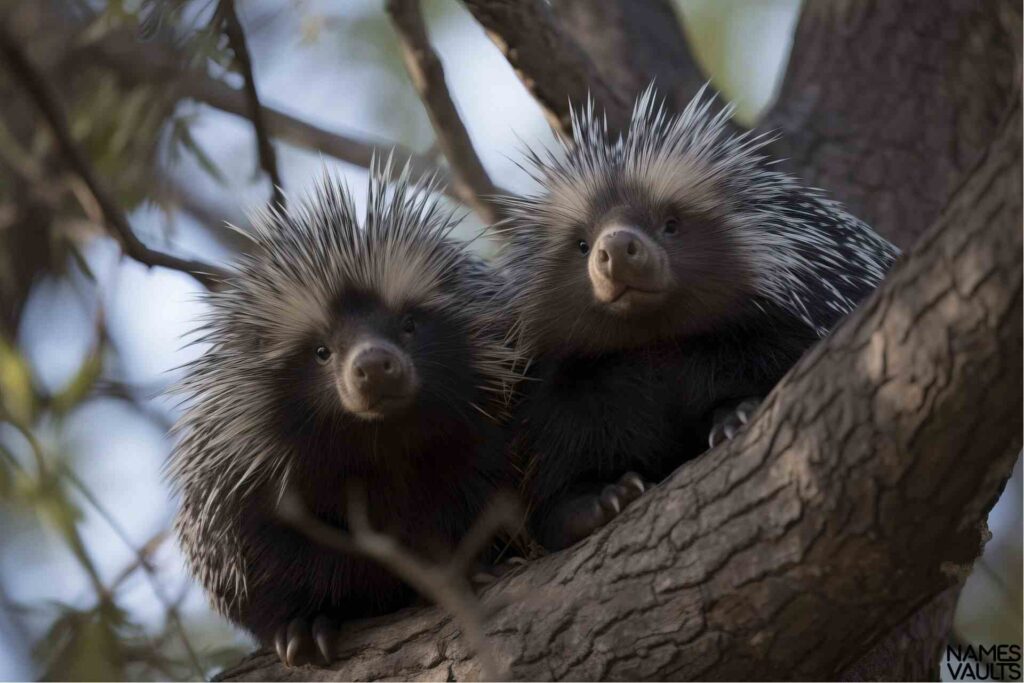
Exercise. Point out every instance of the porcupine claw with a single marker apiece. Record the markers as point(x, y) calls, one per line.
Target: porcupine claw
point(299, 642)
point(325, 633)
point(578, 516)
point(727, 422)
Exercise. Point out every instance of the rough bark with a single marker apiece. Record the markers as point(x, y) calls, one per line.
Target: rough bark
point(886, 103)
point(913, 650)
point(856, 497)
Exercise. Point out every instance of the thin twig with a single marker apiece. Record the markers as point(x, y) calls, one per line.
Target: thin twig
point(68, 527)
point(170, 609)
point(170, 193)
point(142, 560)
point(503, 514)
point(264, 147)
point(471, 182)
point(446, 585)
point(46, 99)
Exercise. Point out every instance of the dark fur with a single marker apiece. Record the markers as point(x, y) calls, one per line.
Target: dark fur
point(266, 419)
point(426, 476)
point(591, 418)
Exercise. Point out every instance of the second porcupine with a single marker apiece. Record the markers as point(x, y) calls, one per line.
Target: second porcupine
point(339, 354)
point(665, 280)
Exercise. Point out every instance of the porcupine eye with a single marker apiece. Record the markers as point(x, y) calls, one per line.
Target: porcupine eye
point(671, 226)
point(408, 324)
point(584, 247)
point(323, 354)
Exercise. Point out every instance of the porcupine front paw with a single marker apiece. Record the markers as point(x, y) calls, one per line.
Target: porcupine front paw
point(728, 421)
point(578, 515)
point(304, 641)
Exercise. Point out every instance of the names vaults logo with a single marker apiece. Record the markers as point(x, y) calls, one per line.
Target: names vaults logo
point(983, 662)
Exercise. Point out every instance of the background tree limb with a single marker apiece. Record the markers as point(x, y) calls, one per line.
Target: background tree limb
point(156, 63)
point(470, 181)
point(42, 93)
point(549, 61)
point(633, 43)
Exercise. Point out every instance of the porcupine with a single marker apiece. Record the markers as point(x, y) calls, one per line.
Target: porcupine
point(665, 279)
point(339, 354)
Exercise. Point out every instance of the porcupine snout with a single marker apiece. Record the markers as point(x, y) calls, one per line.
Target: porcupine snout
point(380, 379)
point(622, 255)
point(627, 266)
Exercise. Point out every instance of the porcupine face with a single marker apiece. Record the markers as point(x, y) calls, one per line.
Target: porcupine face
point(645, 264)
point(630, 241)
point(341, 330)
point(367, 361)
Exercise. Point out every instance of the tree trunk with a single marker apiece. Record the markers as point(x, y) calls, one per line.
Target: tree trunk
point(886, 104)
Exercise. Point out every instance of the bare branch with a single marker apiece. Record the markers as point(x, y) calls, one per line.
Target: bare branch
point(447, 586)
point(503, 514)
point(216, 217)
point(471, 183)
point(264, 147)
point(42, 93)
point(552, 66)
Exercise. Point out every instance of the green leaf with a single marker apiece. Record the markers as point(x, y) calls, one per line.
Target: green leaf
point(6, 473)
point(81, 384)
point(184, 136)
point(79, 259)
point(85, 649)
point(17, 396)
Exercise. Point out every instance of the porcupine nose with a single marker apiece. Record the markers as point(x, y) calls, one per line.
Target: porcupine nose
point(378, 372)
point(623, 256)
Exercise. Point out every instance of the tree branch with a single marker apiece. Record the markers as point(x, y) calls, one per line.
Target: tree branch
point(447, 585)
point(552, 66)
point(264, 147)
point(856, 496)
point(634, 43)
point(471, 183)
point(43, 95)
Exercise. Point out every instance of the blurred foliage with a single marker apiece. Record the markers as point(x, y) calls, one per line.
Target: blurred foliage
point(137, 134)
point(128, 130)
